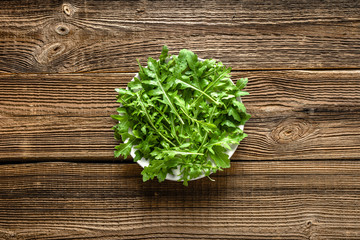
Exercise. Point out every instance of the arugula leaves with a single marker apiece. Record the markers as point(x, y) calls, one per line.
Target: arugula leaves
point(180, 113)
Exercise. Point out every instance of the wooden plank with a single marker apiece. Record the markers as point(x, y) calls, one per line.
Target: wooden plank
point(296, 115)
point(82, 36)
point(252, 200)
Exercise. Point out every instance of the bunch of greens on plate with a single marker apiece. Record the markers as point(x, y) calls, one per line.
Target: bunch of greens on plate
point(180, 113)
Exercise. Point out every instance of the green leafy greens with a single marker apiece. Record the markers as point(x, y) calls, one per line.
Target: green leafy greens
point(180, 113)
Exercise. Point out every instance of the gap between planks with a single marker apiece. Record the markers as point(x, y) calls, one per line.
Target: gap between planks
point(129, 161)
point(233, 70)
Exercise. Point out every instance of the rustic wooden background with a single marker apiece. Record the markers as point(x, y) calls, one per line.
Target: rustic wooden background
point(297, 175)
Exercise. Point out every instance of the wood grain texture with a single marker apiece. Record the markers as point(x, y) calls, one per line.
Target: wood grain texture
point(98, 36)
point(252, 200)
point(295, 115)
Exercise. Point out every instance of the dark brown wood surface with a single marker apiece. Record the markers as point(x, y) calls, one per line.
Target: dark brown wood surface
point(67, 116)
point(82, 36)
point(296, 176)
point(252, 200)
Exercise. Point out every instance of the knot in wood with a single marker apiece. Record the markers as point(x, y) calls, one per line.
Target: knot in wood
point(68, 9)
point(291, 130)
point(309, 223)
point(49, 52)
point(62, 29)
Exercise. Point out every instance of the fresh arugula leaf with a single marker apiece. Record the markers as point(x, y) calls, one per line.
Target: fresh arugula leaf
point(241, 83)
point(124, 149)
point(220, 158)
point(180, 113)
point(234, 113)
point(164, 54)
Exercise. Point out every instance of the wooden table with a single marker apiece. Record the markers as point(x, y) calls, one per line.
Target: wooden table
point(297, 175)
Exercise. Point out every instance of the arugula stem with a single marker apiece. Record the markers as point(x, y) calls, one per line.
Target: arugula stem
point(181, 132)
point(168, 99)
point(209, 86)
point(186, 114)
point(161, 113)
point(206, 134)
point(167, 128)
point(197, 89)
point(183, 153)
point(209, 72)
point(192, 119)
point(173, 129)
point(123, 101)
point(151, 123)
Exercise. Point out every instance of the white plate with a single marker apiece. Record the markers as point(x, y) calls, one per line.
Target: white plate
point(176, 172)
